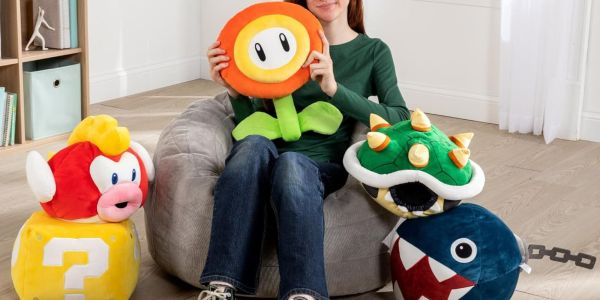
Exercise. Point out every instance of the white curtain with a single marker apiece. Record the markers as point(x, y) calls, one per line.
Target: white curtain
point(541, 59)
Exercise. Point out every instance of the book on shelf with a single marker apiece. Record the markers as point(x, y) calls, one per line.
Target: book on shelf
point(7, 121)
point(3, 113)
point(66, 24)
point(8, 118)
point(13, 112)
point(0, 30)
point(57, 14)
point(73, 21)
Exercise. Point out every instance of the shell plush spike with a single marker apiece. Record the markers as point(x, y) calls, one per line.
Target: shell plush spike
point(418, 155)
point(377, 122)
point(377, 141)
point(420, 121)
point(460, 157)
point(462, 140)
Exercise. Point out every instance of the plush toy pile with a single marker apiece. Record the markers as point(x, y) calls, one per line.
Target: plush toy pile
point(83, 245)
point(268, 43)
point(440, 250)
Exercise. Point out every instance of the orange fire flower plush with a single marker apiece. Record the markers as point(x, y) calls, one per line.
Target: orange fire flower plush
point(268, 43)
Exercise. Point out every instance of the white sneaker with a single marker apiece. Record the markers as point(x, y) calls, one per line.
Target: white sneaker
point(217, 292)
point(301, 297)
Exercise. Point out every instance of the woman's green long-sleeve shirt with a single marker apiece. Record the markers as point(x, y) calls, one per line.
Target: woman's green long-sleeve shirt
point(362, 67)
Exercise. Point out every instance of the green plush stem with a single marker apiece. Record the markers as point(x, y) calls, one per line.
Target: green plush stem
point(288, 118)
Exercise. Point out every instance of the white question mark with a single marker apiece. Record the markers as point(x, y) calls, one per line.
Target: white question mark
point(97, 251)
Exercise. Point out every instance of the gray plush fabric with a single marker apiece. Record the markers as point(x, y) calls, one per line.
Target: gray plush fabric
point(189, 157)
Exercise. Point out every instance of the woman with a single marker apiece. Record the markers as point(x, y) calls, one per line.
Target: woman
point(293, 178)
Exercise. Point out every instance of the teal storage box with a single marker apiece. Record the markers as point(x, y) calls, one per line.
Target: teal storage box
point(52, 97)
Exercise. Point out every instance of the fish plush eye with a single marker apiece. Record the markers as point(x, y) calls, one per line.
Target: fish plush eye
point(106, 173)
point(463, 250)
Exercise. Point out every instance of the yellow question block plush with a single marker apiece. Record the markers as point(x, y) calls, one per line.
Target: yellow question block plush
point(56, 259)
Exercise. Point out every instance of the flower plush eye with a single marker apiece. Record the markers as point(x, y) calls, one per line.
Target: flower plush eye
point(284, 42)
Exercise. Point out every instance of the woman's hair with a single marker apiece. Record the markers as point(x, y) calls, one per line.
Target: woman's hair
point(355, 14)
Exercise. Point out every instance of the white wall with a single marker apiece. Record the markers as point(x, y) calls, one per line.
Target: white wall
point(139, 45)
point(446, 53)
point(590, 122)
point(213, 16)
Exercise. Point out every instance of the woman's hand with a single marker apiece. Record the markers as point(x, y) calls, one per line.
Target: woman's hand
point(219, 61)
point(322, 71)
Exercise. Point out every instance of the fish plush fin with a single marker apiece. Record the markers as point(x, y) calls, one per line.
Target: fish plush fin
point(40, 177)
point(146, 159)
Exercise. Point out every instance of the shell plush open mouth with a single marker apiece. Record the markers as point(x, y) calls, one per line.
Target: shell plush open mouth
point(410, 200)
point(423, 277)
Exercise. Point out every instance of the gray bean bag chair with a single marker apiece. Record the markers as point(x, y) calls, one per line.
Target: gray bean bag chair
point(189, 157)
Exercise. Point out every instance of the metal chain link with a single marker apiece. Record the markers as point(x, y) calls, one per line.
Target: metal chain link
point(562, 255)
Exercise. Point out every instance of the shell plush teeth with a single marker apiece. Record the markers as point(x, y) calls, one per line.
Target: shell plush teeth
point(435, 208)
point(388, 198)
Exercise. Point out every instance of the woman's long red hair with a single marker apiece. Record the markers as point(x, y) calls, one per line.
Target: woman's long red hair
point(355, 14)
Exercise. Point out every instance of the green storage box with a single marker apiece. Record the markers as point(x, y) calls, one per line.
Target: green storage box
point(52, 97)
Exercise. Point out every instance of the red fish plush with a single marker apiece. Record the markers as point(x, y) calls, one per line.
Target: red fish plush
point(101, 176)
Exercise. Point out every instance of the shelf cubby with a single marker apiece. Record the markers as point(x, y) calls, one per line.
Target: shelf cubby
point(16, 21)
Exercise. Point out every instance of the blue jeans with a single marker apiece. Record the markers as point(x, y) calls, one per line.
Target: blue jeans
point(255, 178)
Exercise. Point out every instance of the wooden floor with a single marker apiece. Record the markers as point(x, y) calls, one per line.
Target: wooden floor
point(548, 194)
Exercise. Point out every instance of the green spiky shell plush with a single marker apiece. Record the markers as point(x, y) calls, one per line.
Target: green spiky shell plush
point(412, 168)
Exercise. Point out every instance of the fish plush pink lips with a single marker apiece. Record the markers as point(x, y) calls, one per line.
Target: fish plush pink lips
point(120, 202)
point(419, 272)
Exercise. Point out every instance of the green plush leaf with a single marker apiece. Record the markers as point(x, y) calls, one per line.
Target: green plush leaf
point(320, 117)
point(258, 123)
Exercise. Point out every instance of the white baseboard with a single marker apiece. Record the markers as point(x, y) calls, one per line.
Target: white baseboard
point(470, 106)
point(121, 83)
point(590, 126)
point(457, 104)
point(204, 68)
